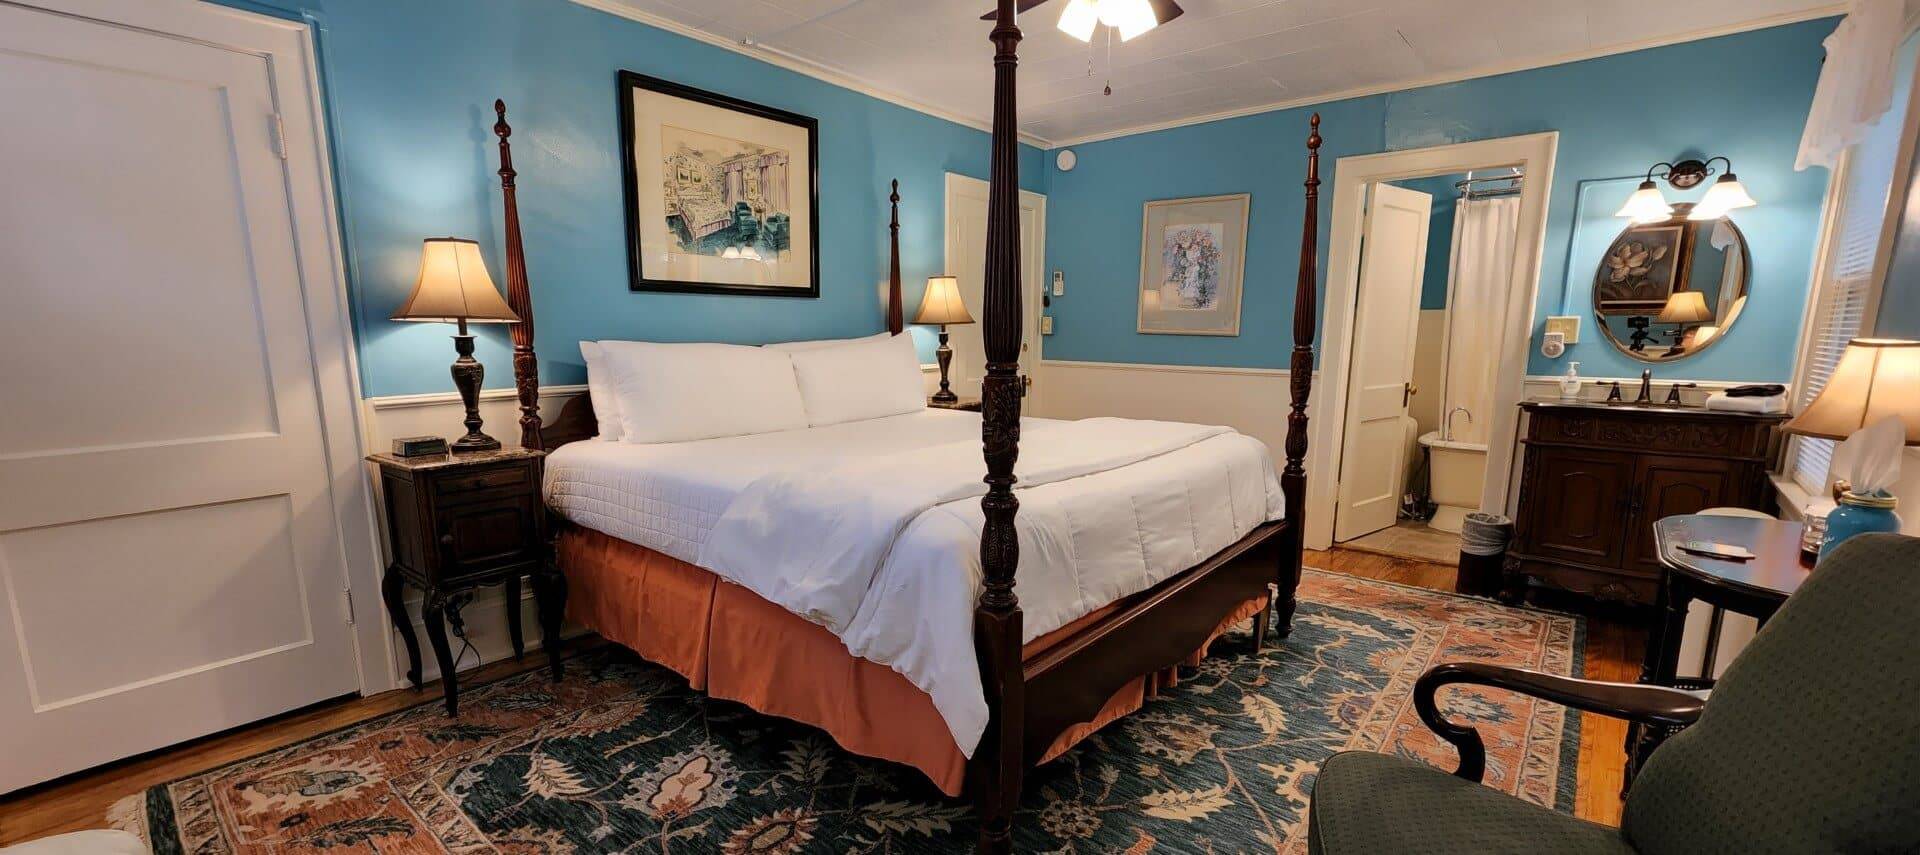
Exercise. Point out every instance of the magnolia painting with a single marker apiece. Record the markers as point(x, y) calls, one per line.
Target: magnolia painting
point(1191, 258)
point(1641, 269)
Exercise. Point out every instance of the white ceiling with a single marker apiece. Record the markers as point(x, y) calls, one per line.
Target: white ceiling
point(1222, 56)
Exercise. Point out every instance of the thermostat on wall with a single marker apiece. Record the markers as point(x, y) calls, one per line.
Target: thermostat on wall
point(1568, 326)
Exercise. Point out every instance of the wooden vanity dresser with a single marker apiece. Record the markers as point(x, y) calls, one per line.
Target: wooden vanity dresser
point(1597, 477)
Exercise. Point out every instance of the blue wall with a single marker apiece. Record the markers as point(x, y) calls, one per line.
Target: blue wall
point(409, 88)
point(1744, 96)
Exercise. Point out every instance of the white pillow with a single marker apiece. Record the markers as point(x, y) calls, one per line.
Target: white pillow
point(680, 392)
point(606, 405)
point(867, 379)
point(819, 343)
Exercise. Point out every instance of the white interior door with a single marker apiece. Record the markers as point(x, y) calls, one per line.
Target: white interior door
point(1386, 320)
point(966, 211)
point(172, 559)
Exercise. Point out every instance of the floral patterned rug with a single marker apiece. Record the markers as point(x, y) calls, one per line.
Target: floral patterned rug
point(631, 760)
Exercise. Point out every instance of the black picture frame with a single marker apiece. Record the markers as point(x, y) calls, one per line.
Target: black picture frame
point(637, 280)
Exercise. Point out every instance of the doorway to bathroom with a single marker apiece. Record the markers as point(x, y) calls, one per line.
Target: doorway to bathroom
point(1415, 282)
point(1429, 311)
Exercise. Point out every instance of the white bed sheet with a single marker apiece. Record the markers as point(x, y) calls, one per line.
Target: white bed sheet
point(1085, 542)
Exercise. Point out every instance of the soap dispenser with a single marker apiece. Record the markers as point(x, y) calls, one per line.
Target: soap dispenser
point(1570, 384)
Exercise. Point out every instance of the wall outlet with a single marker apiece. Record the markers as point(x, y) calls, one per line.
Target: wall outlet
point(1046, 325)
point(1059, 283)
point(1568, 326)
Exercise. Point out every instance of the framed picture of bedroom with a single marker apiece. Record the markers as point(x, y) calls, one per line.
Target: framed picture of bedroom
point(722, 195)
point(1192, 256)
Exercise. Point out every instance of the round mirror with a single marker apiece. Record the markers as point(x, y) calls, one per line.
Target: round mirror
point(1668, 290)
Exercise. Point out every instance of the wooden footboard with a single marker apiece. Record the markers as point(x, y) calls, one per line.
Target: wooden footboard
point(1068, 684)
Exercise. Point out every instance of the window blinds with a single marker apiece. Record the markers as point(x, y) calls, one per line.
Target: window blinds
point(1847, 281)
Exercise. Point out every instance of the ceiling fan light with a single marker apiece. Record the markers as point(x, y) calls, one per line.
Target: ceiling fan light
point(1646, 205)
point(1726, 194)
point(1130, 17)
point(1079, 19)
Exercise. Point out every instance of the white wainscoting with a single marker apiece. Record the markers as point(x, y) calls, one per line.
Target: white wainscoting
point(1253, 401)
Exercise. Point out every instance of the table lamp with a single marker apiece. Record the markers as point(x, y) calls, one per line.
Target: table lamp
point(942, 306)
point(454, 288)
point(1684, 308)
point(1876, 378)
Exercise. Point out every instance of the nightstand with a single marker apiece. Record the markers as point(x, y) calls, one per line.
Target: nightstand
point(971, 405)
point(457, 522)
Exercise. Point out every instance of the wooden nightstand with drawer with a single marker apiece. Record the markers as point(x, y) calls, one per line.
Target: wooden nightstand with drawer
point(456, 522)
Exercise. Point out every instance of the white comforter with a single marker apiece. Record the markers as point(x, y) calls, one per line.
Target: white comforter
point(883, 547)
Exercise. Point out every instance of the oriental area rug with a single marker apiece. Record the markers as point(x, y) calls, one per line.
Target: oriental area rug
point(628, 759)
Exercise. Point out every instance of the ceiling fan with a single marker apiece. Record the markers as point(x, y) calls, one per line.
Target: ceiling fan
point(1130, 17)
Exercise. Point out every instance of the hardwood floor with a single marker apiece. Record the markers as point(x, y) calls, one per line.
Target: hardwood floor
point(1613, 653)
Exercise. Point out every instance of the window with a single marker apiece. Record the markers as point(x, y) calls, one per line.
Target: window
point(1845, 289)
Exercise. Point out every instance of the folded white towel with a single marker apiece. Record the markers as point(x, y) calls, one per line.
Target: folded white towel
point(1720, 401)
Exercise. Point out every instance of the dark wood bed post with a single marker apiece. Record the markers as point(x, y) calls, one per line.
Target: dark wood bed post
point(1000, 761)
point(1293, 477)
point(549, 585)
point(896, 315)
point(526, 368)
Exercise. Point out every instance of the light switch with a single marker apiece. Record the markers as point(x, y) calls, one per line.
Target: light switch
point(1046, 325)
point(1059, 283)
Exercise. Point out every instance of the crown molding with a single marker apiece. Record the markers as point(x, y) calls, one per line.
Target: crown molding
point(811, 68)
point(1779, 20)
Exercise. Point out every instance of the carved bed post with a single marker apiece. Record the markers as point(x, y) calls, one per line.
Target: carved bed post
point(1293, 477)
point(999, 761)
point(896, 316)
point(526, 369)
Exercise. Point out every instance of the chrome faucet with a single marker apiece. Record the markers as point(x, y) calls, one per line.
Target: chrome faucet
point(1448, 433)
point(1646, 387)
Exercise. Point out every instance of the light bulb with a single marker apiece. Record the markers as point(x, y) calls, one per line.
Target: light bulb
point(1130, 17)
point(1079, 19)
point(1726, 194)
point(1646, 205)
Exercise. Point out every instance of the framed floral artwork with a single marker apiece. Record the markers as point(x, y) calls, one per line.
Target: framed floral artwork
point(1192, 264)
point(722, 195)
point(1642, 268)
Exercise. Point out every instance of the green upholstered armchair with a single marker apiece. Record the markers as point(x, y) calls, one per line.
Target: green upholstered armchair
point(1810, 742)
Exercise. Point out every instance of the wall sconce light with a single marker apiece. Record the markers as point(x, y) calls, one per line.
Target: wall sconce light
point(1647, 205)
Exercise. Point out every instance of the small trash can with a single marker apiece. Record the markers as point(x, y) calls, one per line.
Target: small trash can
point(1483, 549)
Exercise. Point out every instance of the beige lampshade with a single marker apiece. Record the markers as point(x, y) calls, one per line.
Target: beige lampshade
point(1685, 307)
point(454, 286)
point(942, 303)
point(1876, 378)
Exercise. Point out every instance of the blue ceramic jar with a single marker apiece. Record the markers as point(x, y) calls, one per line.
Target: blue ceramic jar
point(1859, 514)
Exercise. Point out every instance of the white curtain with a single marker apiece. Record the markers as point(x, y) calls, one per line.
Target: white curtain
point(1856, 82)
point(1484, 231)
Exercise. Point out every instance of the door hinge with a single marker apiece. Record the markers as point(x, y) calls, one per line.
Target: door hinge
point(280, 135)
point(346, 599)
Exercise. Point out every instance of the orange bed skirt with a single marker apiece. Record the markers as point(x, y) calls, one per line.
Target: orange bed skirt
point(729, 642)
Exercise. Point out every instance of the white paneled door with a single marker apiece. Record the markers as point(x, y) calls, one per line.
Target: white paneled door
point(1386, 321)
point(172, 554)
point(966, 257)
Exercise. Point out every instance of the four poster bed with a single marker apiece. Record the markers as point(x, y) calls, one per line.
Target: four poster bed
point(1038, 694)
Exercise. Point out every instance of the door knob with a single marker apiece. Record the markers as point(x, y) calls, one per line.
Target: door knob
point(1407, 391)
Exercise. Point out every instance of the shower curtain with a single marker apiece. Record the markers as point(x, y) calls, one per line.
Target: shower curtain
point(1484, 232)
